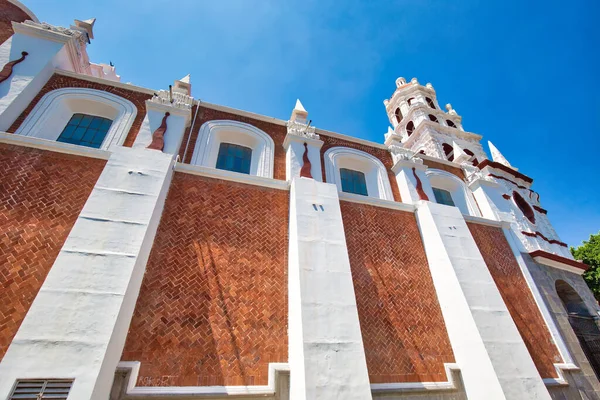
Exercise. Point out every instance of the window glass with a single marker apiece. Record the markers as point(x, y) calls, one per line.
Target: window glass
point(233, 157)
point(85, 130)
point(430, 102)
point(353, 182)
point(443, 197)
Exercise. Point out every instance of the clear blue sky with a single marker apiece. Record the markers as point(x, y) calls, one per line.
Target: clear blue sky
point(526, 76)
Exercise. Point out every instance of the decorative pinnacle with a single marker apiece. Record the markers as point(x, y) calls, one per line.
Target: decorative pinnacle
point(498, 157)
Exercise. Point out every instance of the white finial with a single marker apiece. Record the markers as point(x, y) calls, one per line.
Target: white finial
point(185, 79)
point(386, 102)
point(498, 157)
point(299, 113)
point(86, 26)
point(429, 85)
point(449, 107)
point(459, 155)
point(400, 81)
point(414, 80)
point(183, 85)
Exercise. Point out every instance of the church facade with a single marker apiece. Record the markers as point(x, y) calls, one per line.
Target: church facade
point(154, 245)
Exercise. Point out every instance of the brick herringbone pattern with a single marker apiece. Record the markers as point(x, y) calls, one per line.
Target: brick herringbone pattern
point(212, 309)
point(403, 330)
point(518, 298)
point(41, 195)
point(9, 12)
point(60, 81)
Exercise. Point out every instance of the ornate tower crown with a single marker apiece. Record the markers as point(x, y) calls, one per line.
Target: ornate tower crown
point(420, 125)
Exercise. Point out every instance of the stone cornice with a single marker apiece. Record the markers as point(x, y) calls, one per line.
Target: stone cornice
point(497, 165)
point(556, 261)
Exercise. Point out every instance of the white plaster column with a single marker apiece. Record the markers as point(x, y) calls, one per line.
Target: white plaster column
point(489, 350)
point(177, 121)
point(294, 152)
point(46, 49)
point(488, 194)
point(78, 322)
point(326, 352)
point(407, 183)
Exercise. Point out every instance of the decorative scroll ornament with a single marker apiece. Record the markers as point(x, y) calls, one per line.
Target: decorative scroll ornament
point(305, 170)
point(302, 130)
point(8, 68)
point(420, 191)
point(180, 100)
point(158, 137)
point(400, 153)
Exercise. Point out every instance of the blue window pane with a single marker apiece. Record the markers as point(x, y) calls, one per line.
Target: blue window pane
point(234, 158)
point(353, 182)
point(443, 197)
point(85, 130)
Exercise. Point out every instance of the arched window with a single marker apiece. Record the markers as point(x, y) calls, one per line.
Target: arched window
point(353, 182)
point(451, 190)
point(430, 102)
point(85, 130)
point(524, 207)
point(433, 118)
point(449, 151)
point(56, 117)
point(473, 159)
point(358, 172)
point(243, 142)
point(398, 115)
point(409, 101)
point(233, 157)
point(582, 322)
point(450, 123)
point(410, 128)
point(422, 152)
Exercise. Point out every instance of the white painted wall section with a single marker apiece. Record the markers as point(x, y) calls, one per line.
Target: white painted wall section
point(294, 151)
point(407, 183)
point(177, 121)
point(489, 350)
point(326, 353)
point(96, 279)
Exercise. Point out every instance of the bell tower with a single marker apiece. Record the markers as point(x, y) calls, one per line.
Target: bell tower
point(421, 126)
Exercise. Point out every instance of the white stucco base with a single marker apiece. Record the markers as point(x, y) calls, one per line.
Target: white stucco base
point(95, 280)
point(489, 350)
point(326, 353)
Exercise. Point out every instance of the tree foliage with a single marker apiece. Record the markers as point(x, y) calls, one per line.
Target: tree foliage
point(589, 253)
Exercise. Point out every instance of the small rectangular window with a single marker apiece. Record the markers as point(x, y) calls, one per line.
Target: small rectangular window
point(41, 389)
point(233, 157)
point(443, 197)
point(85, 130)
point(353, 182)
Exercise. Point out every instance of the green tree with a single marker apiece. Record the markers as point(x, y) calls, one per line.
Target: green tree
point(589, 253)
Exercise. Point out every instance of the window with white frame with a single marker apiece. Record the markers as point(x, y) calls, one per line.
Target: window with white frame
point(353, 182)
point(443, 196)
point(449, 189)
point(357, 172)
point(233, 157)
point(234, 146)
point(56, 117)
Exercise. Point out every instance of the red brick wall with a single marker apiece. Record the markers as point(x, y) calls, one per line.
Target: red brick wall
point(383, 155)
point(518, 298)
point(212, 309)
point(277, 132)
point(403, 330)
point(8, 13)
point(41, 195)
point(60, 81)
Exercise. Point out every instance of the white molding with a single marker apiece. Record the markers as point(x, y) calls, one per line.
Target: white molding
point(232, 176)
point(25, 10)
point(557, 264)
point(106, 82)
point(29, 29)
point(277, 372)
point(449, 384)
point(377, 170)
point(438, 160)
point(289, 138)
point(209, 139)
point(560, 368)
point(50, 109)
point(485, 221)
point(52, 145)
point(374, 201)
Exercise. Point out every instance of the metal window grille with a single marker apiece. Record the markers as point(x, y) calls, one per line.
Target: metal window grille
point(41, 389)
